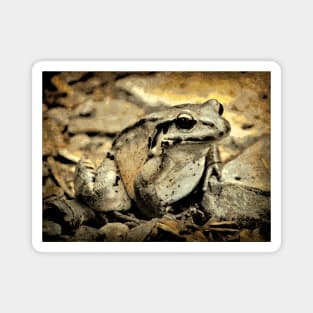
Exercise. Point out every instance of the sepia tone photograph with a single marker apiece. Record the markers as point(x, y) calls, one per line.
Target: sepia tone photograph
point(156, 156)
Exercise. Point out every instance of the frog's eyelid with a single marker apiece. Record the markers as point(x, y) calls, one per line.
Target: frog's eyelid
point(185, 115)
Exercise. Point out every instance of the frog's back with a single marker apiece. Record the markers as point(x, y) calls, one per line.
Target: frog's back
point(131, 149)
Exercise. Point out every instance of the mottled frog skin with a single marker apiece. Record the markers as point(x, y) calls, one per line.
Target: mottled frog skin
point(157, 161)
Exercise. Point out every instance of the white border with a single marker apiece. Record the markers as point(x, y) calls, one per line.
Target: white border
point(41, 246)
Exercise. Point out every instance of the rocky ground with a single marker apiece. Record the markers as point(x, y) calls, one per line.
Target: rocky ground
point(82, 112)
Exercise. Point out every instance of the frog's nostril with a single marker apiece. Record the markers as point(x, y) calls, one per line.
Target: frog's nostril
point(210, 124)
point(221, 134)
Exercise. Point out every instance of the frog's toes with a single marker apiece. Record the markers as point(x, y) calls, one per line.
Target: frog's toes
point(87, 164)
point(215, 185)
point(213, 172)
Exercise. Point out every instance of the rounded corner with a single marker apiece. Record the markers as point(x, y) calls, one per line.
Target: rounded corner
point(36, 246)
point(37, 66)
point(276, 247)
point(276, 66)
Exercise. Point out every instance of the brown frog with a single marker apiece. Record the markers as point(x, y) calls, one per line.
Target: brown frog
point(157, 161)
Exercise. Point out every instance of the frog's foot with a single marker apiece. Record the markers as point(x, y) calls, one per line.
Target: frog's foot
point(84, 179)
point(101, 189)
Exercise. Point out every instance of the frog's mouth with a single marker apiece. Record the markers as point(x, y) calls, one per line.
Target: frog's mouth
point(176, 140)
point(206, 138)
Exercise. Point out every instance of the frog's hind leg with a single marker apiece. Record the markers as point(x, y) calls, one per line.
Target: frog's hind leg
point(101, 189)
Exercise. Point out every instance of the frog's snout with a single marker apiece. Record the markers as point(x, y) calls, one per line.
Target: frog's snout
point(226, 129)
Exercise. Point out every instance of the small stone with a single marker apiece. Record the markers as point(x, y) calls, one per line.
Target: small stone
point(109, 117)
point(51, 189)
point(79, 141)
point(244, 193)
point(69, 213)
point(72, 99)
point(59, 115)
point(74, 156)
point(256, 235)
point(51, 229)
point(44, 108)
point(61, 212)
point(141, 232)
point(68, 96)
point(167, 230)
point(84, 213)
point(52, 137)
point(88, 86)
point(252, 167)
point(114, 231)
point(45, 169)
point(235, 201)
point(63, 174)
point(86, 233)
point(70, 77)
point(85, 109)
point(196, 236)
point(250, 235)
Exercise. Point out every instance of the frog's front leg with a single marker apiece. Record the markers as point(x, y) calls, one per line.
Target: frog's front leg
point(147, 198)
point(213, 166)
point(101, 189)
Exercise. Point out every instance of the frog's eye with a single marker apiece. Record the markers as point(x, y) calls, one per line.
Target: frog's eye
point(185, 121)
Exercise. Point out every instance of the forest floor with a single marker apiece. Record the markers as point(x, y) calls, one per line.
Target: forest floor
point(83, 112)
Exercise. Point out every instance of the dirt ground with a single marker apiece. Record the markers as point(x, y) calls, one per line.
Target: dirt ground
point(84, 111)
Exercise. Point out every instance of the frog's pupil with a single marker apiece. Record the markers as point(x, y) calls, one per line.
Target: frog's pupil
point(185, 123)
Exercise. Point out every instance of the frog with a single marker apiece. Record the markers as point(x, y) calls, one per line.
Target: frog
point(158, 161)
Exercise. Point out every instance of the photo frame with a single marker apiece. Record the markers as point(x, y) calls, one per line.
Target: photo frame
point(274, 125)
